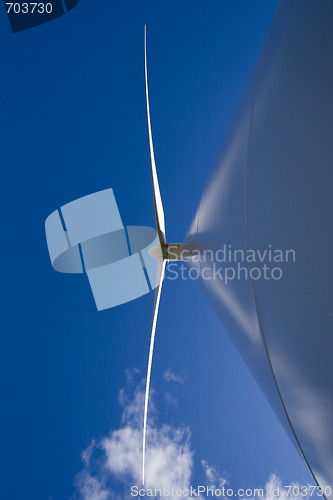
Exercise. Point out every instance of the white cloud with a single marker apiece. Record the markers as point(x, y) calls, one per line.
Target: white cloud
point(213, 478)
point(169, 376)
point(171, 400)
point(89, 487)
point(169, 458)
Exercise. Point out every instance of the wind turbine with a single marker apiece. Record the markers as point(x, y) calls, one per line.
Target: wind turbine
point(281, 327)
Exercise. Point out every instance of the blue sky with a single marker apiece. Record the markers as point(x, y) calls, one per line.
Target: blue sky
point(73, 122)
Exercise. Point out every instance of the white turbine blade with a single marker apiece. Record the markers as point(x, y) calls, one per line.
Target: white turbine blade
point(150, 360)
point(159, 212)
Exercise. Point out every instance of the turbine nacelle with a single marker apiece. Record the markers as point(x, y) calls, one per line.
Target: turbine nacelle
point(169, 251)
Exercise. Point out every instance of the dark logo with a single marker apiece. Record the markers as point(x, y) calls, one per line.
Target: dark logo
point(24, 15)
